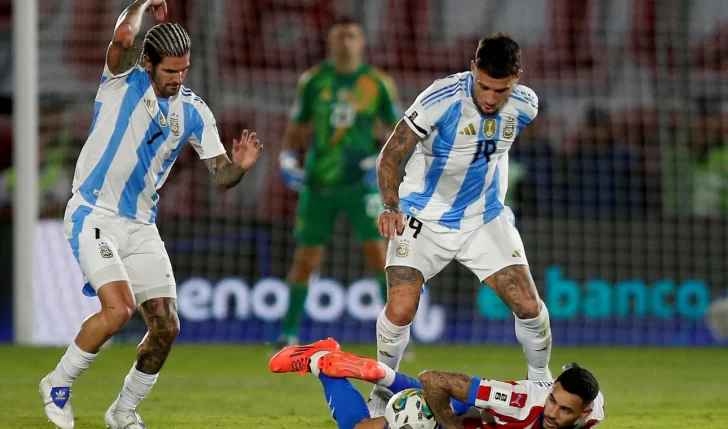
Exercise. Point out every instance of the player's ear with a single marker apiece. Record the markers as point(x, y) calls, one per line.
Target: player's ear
point(518, 75)
point(585, 413)
point(472, 66)
point(147, 63)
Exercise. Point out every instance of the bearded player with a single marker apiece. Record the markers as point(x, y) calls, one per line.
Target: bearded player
point(450, 205)
point(143, 116)
point(459, 401)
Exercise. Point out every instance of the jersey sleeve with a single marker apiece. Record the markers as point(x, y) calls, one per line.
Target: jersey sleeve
point(423, 115)
point(389, 109)
point(205, 137)
point(526, 103)
point(301, 111)
point(505, 399)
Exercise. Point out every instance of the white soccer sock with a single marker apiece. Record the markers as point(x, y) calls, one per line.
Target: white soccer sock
point(313, 364)
point(391, 341)
point(535, 338)
point(137, 386)
point(389, 375)
point(71, 366)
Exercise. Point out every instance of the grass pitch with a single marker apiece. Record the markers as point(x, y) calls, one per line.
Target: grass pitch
point(225, 387)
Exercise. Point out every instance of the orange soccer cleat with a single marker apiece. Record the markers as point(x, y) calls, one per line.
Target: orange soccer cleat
point(297, 358)
point(340, 364)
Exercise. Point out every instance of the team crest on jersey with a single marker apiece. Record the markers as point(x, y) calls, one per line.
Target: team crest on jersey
point(489, 128)
point(509, 127)
point(403, 249)
point(174, 124)
point(105, 251)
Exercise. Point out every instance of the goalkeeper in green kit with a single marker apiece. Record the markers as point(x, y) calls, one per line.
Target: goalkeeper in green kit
point(343, 109)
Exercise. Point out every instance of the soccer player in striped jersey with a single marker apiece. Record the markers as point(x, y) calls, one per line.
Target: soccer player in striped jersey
point(143, 117)
point(459, 401)
point(450, 205)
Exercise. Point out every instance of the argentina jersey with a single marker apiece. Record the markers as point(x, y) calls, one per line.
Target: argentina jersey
point(457, 177)
point(135, 138)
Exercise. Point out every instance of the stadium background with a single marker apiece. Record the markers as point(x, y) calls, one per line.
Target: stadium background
point(620, 185)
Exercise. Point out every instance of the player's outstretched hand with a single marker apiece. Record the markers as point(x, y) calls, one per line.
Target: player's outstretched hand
point(158, 8)
point(246, 151)
point(391, 222)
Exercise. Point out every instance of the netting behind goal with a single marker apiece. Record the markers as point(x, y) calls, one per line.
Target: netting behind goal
point(620, 185)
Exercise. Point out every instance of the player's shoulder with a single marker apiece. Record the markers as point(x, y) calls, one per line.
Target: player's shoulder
point(311, 74)
point(525, 100)
point(447, 89)
point(384, 79)
point(455, 81)
point(189, 98)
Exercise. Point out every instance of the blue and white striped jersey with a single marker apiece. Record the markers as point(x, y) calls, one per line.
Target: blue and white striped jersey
point(457, 177)
point(135, 138)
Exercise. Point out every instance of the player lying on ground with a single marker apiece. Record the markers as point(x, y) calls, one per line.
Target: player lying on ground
point(572, 400)
point(143, 118)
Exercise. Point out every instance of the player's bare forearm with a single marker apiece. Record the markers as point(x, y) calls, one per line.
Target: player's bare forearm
point(122, 53)
point(400, 144)
point(225, 173)
point(439, 387)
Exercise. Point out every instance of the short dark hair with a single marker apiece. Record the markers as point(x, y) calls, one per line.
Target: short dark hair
point(345, 20)
point(499, 56)
point(580, 382)
point(166, 40)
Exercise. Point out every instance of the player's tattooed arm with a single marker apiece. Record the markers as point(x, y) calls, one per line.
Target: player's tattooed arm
point(400, 144)
point(121, 55)
point(439, 387)
point(225, 173)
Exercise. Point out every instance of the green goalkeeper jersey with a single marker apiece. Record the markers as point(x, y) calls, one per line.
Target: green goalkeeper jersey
point(343, 111)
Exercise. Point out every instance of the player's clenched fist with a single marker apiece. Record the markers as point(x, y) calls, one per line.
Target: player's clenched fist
point(158, 8)
point(391, 221)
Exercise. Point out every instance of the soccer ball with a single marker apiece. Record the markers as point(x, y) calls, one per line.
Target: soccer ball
point(408, 410)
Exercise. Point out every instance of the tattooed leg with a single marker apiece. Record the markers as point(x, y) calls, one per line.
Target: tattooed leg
point(160, 315)
point(403, 296)
point(514, 285)
point(516, 288)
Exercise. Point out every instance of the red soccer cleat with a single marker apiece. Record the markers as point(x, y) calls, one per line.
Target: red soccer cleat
point(340, 364)
point(297, 358)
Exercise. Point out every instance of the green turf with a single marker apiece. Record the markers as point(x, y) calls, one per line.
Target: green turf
point(229, 386)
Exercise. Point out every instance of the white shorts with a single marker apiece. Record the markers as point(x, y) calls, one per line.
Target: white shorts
point(110, 248)
point(485, 250)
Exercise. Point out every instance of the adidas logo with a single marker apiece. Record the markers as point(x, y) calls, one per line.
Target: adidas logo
point(517, 254)
point(468, 131)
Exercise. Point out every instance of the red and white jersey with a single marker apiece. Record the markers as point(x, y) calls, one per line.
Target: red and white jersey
point(518, 405)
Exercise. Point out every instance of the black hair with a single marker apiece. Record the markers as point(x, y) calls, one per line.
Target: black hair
point(580, 382)
point(345, 20)
point(166, 40)
point(499, 56)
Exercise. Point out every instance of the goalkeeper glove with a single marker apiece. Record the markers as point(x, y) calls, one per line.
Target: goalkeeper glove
point(369, 166)
point(292, 173)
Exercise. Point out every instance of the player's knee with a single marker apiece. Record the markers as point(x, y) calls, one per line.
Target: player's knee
point(166, 329)
point(401, 314)
point(527, 309)
point(116, 316)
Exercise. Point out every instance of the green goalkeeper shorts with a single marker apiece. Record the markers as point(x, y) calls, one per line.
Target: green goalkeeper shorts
point(317, 211)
